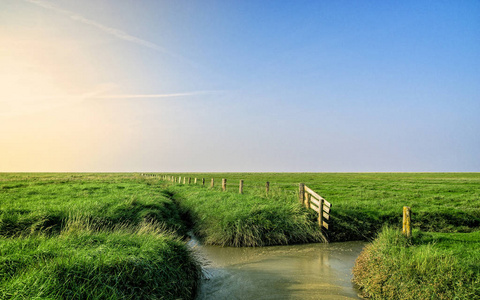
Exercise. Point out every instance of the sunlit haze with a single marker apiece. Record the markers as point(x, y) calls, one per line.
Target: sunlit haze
point(261, 86)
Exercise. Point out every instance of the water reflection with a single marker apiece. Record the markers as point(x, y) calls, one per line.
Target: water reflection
point(311, 271)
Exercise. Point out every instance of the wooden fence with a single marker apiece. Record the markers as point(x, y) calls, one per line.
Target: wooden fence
point(306, 195)
point(316, 202)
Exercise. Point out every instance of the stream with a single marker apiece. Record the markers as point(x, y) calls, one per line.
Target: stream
point(307, 271)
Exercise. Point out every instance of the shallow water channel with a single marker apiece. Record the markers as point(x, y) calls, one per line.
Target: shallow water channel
point(309, 271)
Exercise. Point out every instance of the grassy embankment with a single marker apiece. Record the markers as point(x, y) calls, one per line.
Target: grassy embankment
point(86, 236)
point(441, 261)
point(428, 266)
point(231, 219)
point(364, 202)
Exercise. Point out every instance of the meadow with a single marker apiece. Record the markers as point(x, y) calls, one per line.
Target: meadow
point(440, 261)
point(92, 236)
point(364, 202)
point(123, 236)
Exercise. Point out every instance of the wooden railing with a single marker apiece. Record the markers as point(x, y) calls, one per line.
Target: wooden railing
point(308, 197)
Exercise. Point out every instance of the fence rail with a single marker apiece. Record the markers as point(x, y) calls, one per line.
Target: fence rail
point(307, 196)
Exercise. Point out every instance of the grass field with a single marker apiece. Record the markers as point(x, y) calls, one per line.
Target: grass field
point(442, 260)
point(364, 202)
point(91, 236)
point(69, 235)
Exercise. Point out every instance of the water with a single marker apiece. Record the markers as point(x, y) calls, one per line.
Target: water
point(309, 271)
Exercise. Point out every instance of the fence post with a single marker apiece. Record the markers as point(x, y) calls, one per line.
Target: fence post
point(189, 180)
point(211, 184)
point(179, 179)
point(407, 228)
point(184, 179)
point(301, 193)
point(224, 184)
point(195, 182)
point(203, 181)
point(240, 187)
point(267, 187)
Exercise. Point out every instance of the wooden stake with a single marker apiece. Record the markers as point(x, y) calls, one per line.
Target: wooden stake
point(195, 182)
point(189, 180)
point(224, 184)
point(240, 187)
point(301, 193)
point(267, 187)
point(407, 228)
point(211, 185)
point(203, 181)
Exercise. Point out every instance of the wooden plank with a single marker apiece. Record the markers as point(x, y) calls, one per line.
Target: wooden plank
point(326, 209)
point(326, 216)
point(317, 209)
point(326, 203)
point(315, 201)
point(325, 224)
point(311, 192)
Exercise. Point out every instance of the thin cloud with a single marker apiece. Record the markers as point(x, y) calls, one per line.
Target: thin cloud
point(152, 96)
point(109, 30)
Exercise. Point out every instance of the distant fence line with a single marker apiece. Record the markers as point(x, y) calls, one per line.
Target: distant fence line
point(309, 198)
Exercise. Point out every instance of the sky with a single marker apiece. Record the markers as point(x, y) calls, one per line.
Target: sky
point(239, 86)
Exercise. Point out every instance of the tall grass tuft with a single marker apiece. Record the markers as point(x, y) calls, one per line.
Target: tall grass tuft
point(84, 262)
point(231, 219)
point(424, 267)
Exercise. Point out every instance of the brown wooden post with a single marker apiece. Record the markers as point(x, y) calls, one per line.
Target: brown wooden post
point(307, 202)
point(224, 184)
point(267, 187)
point(407, 228)
point(240, 187)
point(301, 193)
point(203, 181)
point(180, 179)
point(189, 180)
point(184, 180)
point(195, 182)
point(211, 184)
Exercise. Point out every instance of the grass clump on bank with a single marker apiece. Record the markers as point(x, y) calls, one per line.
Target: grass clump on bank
point(428, 266)
point(44, 202)
point(92, 236)
point(232, 219)
point(84, 263)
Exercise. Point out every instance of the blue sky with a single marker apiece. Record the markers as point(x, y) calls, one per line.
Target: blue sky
point(321, 86)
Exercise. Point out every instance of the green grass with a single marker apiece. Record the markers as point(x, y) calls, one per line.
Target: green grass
point(92, 236)
point(364, 202)
point(65, 234)
point(429, 266)
point(86, 263)
point(231, 219)
point(44, 202)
